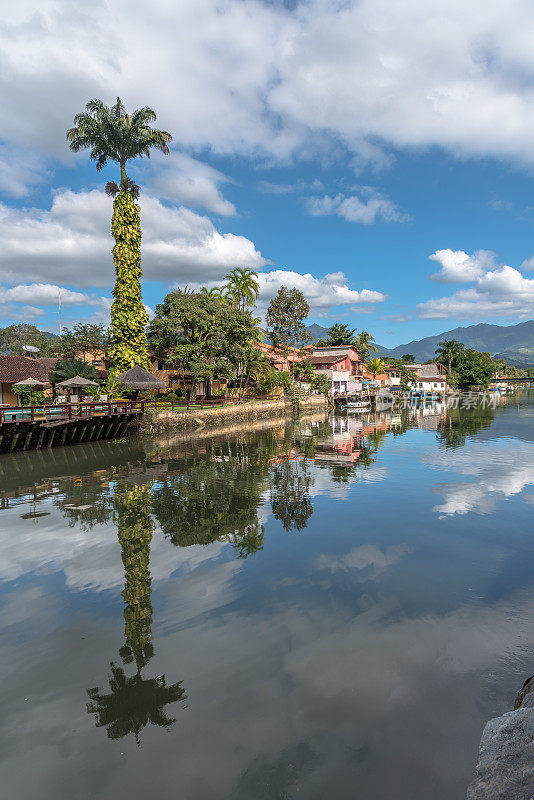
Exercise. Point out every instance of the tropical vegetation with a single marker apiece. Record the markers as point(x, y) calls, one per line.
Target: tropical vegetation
point(375, 366)
point(286, 317)
point(112, 134)
point(14, 337)
point(199, 333)
point(241, 288)
point(67, 368)
point(83, 339)
point(338, 335)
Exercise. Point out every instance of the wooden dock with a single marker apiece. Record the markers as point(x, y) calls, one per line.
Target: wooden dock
point(36, 427)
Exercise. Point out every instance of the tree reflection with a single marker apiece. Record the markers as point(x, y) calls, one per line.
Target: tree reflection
point(291, 479)
point(290, 494)
point(216, 499)
point(134, 701)
point(463, 422)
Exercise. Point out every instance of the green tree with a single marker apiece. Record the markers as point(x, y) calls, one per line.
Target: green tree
point(70, 368)
point(338, 335)
point(242, 287)
point(375, 366)
point(28, 395)
point(408, 358)
point(365, 343)
point(448, 352)
point(322, 384)
point(286, 317)
point(472, 370)
point(217, 498)
point(83, 339)
point(461, 423)
point(202, 336)
point(113, 135)
point(13, 337)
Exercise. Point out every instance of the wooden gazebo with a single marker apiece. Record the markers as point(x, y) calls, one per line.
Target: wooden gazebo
point(139, 379)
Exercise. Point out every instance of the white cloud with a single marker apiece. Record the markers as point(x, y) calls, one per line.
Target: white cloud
point(354, 209)
point(247, 77)
point(73, 240)
point(23, 313)
point(499, 292)
point(458, 267)
point(321, 293)
point(43, 293)
point(183, 179)
point(500, 471)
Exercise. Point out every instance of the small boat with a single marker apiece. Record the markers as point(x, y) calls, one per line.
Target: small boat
point(358, 405)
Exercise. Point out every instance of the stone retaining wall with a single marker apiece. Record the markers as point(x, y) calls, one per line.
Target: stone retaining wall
point(154, 420)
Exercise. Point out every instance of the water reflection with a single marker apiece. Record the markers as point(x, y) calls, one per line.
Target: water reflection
point(133, 701)
point(333, 661)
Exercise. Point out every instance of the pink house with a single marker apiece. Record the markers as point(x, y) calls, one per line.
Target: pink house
point(341, 364)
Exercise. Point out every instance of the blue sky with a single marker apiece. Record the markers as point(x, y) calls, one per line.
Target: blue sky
point(378, 155)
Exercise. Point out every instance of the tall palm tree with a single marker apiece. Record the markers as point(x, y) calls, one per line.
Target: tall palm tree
point(375, 366)
point(365, 344)
point(113, 135)
point(242, 287)
point(448, 350)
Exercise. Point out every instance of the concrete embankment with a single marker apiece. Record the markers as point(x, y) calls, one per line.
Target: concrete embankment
point(505, 768)
point(159, 420)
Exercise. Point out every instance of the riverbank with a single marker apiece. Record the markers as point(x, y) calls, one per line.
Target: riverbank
point(156, 421)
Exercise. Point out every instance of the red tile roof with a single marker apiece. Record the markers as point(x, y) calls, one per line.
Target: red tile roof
point(18, 368)
point(48, 363)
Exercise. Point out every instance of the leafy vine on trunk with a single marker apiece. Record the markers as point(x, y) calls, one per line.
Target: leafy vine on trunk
point(128, 314)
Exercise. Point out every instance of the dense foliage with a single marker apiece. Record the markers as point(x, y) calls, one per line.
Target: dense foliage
point(285, 318)
point(338, 335)
point(241, 288)
point(13, 337)
point(83, 340)
point(472, 370)
point(70, 368)
point(204, 335)
point(113, 135)
point(375, 366)
point(128, 315)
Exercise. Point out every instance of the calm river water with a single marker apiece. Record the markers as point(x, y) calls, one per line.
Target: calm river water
point(331, 609)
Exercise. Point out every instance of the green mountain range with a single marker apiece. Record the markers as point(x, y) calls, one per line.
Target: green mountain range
point(514, 343)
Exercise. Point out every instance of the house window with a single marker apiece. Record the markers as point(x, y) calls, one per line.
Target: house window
point(97, 362)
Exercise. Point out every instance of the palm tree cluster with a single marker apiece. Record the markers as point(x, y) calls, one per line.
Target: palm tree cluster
point(448, 351)
point(241, 288)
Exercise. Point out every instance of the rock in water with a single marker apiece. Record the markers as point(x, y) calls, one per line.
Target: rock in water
point(505, 768)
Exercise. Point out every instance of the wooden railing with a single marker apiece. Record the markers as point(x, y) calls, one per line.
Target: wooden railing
point(62, 411)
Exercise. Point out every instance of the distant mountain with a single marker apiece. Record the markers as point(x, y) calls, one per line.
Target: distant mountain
point(317, 331)
point(514, 343)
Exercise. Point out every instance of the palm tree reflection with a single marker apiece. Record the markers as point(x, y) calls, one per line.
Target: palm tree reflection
point(134, 701)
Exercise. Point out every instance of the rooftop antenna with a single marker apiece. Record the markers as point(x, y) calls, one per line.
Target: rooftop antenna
point(59, 310)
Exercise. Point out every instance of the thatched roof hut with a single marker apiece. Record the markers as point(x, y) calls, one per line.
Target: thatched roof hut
point(139, 378)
